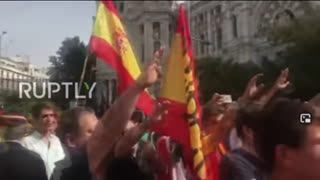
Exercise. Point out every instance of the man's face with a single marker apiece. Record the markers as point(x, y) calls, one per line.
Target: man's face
point(47, 121)
point(87, 124)
point(305, 161)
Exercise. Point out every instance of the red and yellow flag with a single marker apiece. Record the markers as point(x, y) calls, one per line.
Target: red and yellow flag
point(110, 43)
point(180, 88)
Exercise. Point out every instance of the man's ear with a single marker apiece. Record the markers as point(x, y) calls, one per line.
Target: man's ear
point(283, 156)
point(70, 140)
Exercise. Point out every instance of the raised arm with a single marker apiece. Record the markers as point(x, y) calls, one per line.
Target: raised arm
point(113, 122)
point(130, 138)
point(281, 83)
point(253, 89)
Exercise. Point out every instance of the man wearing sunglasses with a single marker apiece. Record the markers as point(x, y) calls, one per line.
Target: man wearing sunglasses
point(43, 140)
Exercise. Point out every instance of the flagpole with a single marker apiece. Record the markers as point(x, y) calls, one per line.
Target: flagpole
point(82, 74)
point(85, 64)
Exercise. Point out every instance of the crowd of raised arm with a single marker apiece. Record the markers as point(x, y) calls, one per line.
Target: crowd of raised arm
point(261, 136)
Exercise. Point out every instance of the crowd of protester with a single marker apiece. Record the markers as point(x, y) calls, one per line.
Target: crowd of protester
point(257, 137)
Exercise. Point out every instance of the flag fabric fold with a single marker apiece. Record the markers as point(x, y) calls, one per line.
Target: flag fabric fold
point(180, 85)
point(109, 42)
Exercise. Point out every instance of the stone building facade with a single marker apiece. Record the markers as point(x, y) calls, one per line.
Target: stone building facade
point(15, 70)
point(238, 30)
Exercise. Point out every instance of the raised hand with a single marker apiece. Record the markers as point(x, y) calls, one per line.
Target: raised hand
point(217, 98)
point(218, 103)
point(159, 112)
point(253, 89)
point(282, 81)
point(152, 71)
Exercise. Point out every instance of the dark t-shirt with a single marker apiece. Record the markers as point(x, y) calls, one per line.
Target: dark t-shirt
point(125, 168)
point(241, 165)
point(18, 163)
point(79, 169)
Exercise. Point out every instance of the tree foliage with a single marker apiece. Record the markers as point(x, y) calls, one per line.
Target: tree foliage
point(67, 66)
point(302, 53)
point(300, 43)
point(68, 62)
point(225, 77)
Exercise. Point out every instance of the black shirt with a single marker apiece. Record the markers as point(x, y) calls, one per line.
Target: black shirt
point(19, 163)
point(79, 169)
point(241, 165)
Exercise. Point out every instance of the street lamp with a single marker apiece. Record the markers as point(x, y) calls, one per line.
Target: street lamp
point(1, 35)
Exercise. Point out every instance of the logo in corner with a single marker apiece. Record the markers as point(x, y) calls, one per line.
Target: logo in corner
point(305, 118)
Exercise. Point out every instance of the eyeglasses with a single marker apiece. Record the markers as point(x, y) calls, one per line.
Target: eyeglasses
point(49, 115)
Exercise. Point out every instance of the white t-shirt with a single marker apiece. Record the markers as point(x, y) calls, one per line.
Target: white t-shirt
point(51, 152)
point(234, 141)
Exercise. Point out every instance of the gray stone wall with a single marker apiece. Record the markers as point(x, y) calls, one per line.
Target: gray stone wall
point(244, 24)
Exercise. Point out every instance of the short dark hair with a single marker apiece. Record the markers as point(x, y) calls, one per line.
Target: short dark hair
point(36, 109)
point(246, 117)
point(280, 124)
point(69, 123)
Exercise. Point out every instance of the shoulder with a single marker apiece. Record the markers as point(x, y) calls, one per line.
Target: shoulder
point(29, 139)
point(19, 152)
point(237, 157)
point(238, 166)
point(32, 155)
point(2, 147)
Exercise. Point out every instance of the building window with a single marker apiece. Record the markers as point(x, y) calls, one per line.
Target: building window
point(234, 26)
point(1, 79)
point(219, 38)
point(202, 44)
point(107, 97)
point(283, 18)
point(141, 29)
point(142, 52)
point(156, 30)
point(121, 8)
point(213, 42)
point(201, 18)
point(156, 46)
point(170, 34)
point(218, 9)
point(6, 80)
point(142, 42)
point(114, 90)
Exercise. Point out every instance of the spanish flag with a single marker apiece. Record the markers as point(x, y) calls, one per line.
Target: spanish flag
point(110, 43)
point(180, 89)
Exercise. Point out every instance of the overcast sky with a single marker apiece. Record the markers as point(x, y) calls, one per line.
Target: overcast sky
point(38, 28)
